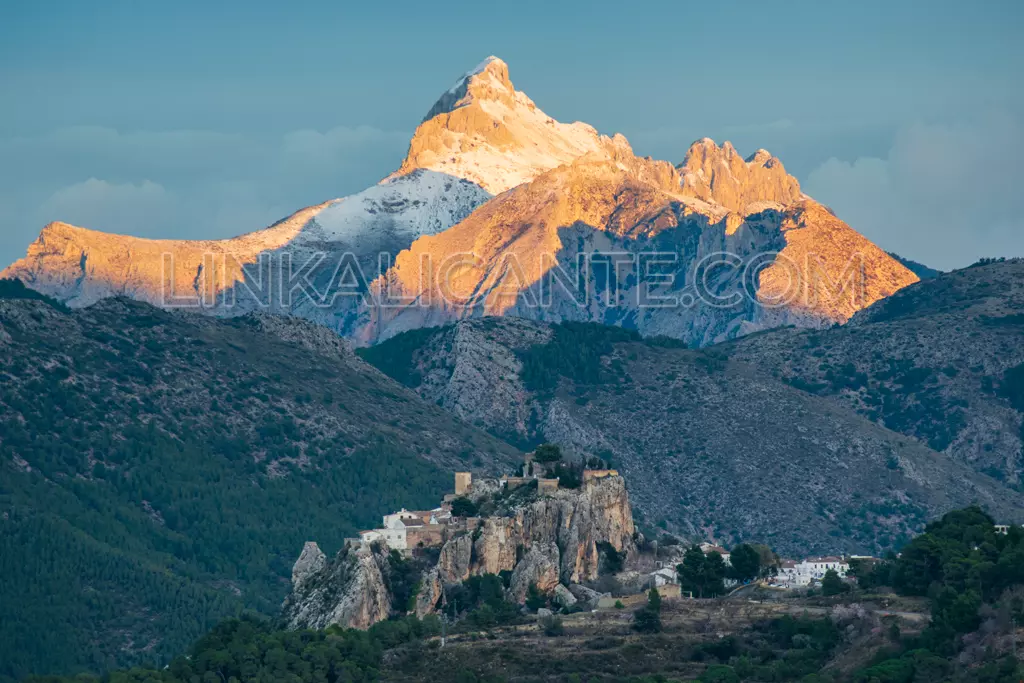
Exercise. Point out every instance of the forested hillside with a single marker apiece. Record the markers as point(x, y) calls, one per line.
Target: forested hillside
point(964, 632)
point(941, 361)
point(160, 471)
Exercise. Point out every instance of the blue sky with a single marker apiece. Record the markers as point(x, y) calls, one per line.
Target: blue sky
point(206, 119)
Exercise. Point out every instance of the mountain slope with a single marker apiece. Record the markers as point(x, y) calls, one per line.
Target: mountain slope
point(922, 271)
point(159, 470)
point(942, 361)
point(245, 273)
point(649, 256)
point(493, 198)
point(711, 447)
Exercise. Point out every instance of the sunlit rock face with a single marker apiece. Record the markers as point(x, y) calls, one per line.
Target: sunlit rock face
point(555, 538)
point(721, 176)
point(493, 200)
point(483, 130)
point(599, 223)
point(289, 267)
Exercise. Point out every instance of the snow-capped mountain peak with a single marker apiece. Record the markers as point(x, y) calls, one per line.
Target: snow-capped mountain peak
point(487, 80)
point(489, 174)
point(483, 130)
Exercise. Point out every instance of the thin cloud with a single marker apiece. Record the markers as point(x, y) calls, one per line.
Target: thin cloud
point(945, 194)
point(184, 184)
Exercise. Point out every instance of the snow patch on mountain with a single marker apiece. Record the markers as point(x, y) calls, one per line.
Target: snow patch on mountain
point(421, 203)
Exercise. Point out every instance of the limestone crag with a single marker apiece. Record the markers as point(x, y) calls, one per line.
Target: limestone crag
point(721, 176)
point(351, 590)
point(550, 540)
point(539, 567)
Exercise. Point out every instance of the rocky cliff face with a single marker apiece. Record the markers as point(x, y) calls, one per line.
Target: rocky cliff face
point(351, 590)
point(721, 176)
point(550, 540)
point(544, 539)
point(618, 241)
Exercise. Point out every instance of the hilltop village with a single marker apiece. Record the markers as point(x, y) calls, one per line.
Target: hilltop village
point(552, 533)
point(412, 531)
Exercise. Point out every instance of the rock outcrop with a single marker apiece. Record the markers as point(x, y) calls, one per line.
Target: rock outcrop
point(719, 175)
point(311, 561)
point(351, 590)
point(539, 567)
point(548, 540)
point(554, 539)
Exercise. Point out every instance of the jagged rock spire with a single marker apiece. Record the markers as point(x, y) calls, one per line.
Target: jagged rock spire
point(720, 175)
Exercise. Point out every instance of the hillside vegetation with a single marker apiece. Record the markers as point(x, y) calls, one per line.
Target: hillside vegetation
point(963, 634)
point(711, 447)
point(160, 471)
point(941, 361)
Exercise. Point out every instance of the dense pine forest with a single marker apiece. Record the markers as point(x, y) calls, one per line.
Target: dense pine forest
point(159, 472)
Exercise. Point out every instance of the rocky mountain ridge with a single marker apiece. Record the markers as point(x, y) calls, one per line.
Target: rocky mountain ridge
point(721, 176)
point(615, 241)
point(563, 193)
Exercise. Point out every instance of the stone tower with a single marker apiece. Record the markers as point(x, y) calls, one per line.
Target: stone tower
point(463, 483)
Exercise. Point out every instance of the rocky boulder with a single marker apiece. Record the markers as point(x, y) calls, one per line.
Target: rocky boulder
point(587, 596)
point(564, 597)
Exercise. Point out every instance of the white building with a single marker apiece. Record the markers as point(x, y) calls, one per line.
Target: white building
point(401, 515)
point(371, 535)
point(394, 531)
point(802, 573)
point(663, 577)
